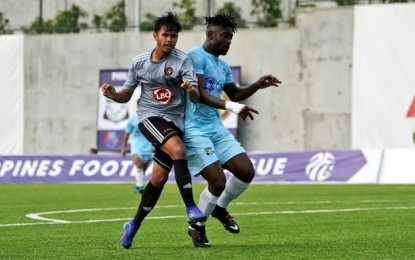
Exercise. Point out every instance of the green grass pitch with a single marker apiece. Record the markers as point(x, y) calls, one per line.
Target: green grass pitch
point(84, 221)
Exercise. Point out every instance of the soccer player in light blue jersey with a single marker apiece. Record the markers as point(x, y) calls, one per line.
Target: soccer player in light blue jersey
point(167, 80)
point(140, 149)
point(210, 146)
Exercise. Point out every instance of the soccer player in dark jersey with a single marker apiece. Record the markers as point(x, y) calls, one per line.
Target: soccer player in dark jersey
point(210, 145)
point(168, 82)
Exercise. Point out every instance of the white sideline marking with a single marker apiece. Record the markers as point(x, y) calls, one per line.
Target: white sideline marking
point(50, 221)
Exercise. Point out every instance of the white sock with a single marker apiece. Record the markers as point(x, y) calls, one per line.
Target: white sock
point(234, 188)
point(207, 202)
point(139, 177)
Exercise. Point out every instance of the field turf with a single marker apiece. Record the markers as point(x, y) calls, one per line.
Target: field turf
point(84, 221)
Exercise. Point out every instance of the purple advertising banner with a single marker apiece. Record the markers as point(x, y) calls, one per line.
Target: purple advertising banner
point(312, 166)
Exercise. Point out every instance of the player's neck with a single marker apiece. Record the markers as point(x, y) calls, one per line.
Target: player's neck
point(209, 49)
point(158, 54)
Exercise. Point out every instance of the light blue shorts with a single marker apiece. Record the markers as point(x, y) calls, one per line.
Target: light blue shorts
point(144, 155)
point(217, 145)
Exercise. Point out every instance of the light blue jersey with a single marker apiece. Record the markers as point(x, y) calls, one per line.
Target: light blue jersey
point(207, 140)
point(217, 73)
point(140, 146)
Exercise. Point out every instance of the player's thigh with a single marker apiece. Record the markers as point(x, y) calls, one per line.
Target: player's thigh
point(200, 153)
point(226, 146)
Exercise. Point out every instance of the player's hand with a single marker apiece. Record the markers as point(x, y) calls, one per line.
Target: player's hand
point(108, 91)
point(267, 81)
point(187, 86)
point(247, 112)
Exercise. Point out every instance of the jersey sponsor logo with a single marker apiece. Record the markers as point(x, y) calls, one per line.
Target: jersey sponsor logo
point(168, 71)
point(210, 84)
point(162, 95)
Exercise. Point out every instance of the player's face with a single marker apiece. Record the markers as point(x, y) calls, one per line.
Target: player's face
point(166, 39)
point(222, 39)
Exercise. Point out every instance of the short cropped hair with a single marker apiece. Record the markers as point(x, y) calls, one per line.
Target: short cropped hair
point(223, 20)
point(170, 21)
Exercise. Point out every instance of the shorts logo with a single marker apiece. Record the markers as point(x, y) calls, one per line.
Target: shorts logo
point(209, 151)
point(162, 95)
point(167, 130)
point(168, 71)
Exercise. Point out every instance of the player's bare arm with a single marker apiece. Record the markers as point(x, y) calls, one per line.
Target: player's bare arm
point(238, 94)
point(122, 96)
point(239, 109)
point(125, 138)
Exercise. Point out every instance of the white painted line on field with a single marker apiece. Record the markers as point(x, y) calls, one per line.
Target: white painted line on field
point(311, 211)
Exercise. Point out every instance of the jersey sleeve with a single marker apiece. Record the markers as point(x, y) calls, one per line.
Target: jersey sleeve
point(188, 72)
point(131, 81)
point(198, 61)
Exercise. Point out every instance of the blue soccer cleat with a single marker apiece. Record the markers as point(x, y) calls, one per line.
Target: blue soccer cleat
point(194, 214)
point(129, 232)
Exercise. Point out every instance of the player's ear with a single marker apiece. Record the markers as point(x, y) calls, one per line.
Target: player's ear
point(154, 35)
point(209, 34)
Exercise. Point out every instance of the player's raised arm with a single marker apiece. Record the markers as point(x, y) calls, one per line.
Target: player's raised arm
point(122, 96)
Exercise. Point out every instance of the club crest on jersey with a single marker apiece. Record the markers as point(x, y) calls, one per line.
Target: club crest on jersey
point(168, 71)
point(209, 151)
point(162, 95)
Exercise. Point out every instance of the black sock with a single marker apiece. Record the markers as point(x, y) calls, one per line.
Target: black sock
point(218, 211)
point(149, 199)
point(184, 181)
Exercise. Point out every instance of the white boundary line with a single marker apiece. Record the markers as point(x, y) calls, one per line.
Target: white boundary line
point(49, 221)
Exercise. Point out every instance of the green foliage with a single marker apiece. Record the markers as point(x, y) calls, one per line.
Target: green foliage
point(267, 12)
point(188, 17)
point(65, 22)
point(148, 24)
point(98, 22)
point(346, 2)
point(4, 23)
point(114, 20)
point(235, 11)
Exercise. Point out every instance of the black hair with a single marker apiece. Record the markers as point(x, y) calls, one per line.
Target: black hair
point(169, 20)
point(221, 19)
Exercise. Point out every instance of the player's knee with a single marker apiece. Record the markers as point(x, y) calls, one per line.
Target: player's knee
point(178, 152)
point(247, 174)
point(217, 186)
point(158, 180)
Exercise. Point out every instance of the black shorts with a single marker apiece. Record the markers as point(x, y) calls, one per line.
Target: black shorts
point(157, 130)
